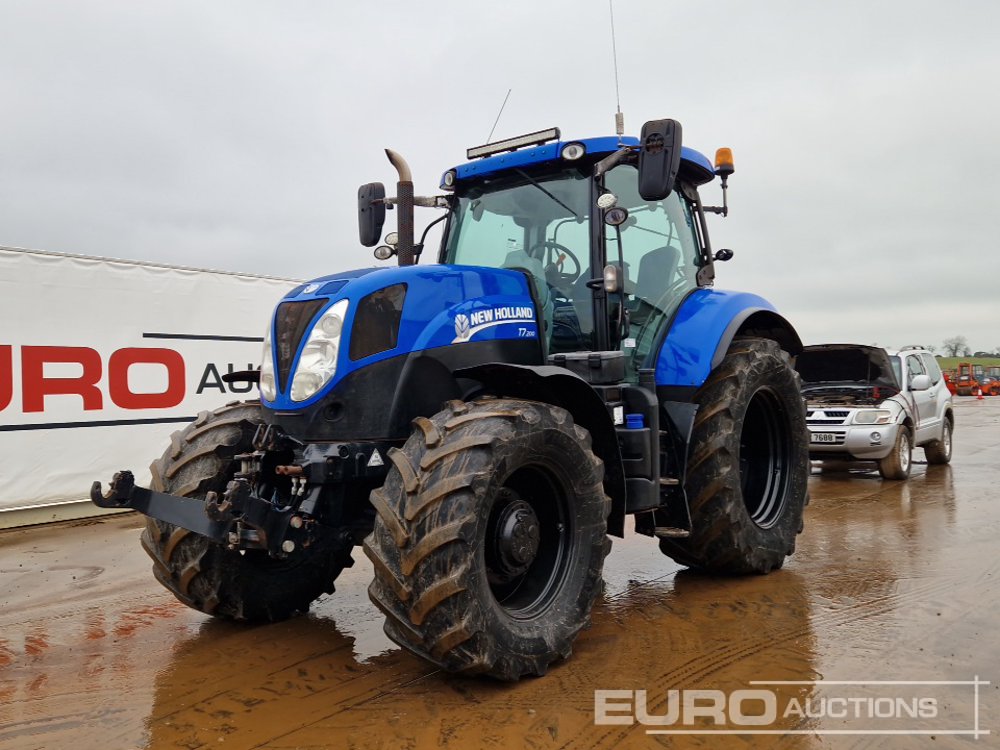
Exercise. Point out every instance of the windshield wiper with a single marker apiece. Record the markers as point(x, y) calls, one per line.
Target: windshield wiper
point(530, 179)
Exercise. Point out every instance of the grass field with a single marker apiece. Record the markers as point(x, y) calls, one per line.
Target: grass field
point(950, 363)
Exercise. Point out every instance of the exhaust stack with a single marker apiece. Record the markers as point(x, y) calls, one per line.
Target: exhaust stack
point(404, 204)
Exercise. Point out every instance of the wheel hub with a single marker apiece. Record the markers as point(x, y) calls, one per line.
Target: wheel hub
point(516, 537)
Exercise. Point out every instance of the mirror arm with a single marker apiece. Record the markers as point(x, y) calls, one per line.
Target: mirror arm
point(418, 248)
point(424, 201)
point(612, 160)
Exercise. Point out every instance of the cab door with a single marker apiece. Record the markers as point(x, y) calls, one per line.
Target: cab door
point(938, 394)
point(659, 250)
point(923, 402)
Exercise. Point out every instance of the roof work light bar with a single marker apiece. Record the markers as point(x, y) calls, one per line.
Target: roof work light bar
point(512, 144)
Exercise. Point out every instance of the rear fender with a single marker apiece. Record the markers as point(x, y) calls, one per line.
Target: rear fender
point(560, 387)
point(703, 329)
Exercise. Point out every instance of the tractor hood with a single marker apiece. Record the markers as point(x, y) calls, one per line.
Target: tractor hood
point(848, 364)
point(335, 325)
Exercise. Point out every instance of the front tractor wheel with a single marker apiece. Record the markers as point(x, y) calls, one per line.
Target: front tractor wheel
point(748, 466)
point(490, 537)
point(207, 576)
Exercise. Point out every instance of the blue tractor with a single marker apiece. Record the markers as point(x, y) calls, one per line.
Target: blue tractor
point(482, 425)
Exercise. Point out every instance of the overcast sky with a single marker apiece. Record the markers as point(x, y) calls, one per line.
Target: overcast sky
point(233, 135)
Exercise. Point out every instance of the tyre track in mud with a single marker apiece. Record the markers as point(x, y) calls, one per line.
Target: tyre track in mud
point(881, 570)
point(701, 667)
point(695, 671)
point(379, 687)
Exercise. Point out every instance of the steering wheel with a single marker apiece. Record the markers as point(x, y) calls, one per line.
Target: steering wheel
point(553, 256)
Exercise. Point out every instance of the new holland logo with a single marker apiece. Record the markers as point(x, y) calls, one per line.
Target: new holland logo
point(462, 327)
point(467, 326)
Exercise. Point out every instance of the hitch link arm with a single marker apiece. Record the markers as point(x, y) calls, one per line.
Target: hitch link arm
point(187, 513)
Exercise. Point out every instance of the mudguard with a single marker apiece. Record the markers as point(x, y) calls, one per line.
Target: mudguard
point(706, 324)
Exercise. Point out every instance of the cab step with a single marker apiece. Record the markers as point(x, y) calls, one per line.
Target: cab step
point(671, 532)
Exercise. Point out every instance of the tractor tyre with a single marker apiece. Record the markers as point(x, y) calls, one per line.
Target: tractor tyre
point(490, 537)
point(897, 464)
point(207, 576)
point(748, 464)
point(939, 451)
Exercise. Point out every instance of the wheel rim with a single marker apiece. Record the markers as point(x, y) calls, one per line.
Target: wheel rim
point(904, 451)
point(946, 438)
point(528, 542)
point(765, 458)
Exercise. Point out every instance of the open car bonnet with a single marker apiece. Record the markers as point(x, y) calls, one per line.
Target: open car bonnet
point(846, 364)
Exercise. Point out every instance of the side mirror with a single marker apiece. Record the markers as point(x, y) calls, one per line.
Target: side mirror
point(920, 383)
point(659, 158)
point(371, 213)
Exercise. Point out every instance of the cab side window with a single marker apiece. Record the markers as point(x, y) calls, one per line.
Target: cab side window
point(914, 367)
point(932, 367)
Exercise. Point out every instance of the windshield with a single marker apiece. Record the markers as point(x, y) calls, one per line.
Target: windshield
point(540, 223)
point(896, 368)
point(537, 223)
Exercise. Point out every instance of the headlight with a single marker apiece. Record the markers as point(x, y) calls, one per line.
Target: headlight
point(872, 416)
point(318, 360)
point(573, 151)
point(268, 389)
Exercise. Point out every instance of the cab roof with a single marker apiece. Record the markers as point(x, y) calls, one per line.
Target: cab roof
point(695, 166)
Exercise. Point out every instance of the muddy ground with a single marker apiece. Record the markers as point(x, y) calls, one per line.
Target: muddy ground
point(892, 581)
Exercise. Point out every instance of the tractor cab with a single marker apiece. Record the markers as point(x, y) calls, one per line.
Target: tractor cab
point(612, 239)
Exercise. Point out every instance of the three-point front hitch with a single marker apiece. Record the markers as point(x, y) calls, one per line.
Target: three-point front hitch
point(237, 518)
point(269, 504)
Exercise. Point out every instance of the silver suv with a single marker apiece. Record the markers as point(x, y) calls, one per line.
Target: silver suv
point(866, 404)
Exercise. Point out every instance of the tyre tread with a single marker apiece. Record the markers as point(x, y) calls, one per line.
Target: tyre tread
point(205, 575)
point(724, 538)
point(423, 560)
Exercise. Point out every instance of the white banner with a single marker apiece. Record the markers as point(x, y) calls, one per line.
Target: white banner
point(100, 360)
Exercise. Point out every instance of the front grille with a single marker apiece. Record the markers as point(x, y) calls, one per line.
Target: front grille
point(827, 416)
point(291, 321)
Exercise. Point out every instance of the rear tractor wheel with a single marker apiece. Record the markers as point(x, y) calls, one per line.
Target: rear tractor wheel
point(207, 576)
point(748, 466)
point(490, 537)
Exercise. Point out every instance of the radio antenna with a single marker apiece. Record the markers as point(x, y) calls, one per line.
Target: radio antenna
point(498, 115)
point(619, 117)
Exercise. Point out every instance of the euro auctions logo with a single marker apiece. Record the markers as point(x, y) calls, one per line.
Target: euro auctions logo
point(897, 707)
point(130, 378)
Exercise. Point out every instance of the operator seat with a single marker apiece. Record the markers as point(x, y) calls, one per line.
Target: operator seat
point(657, 272)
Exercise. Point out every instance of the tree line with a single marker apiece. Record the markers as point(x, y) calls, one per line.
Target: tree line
point(958, 346)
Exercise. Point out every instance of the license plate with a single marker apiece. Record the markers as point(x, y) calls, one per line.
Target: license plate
point(824, 437)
